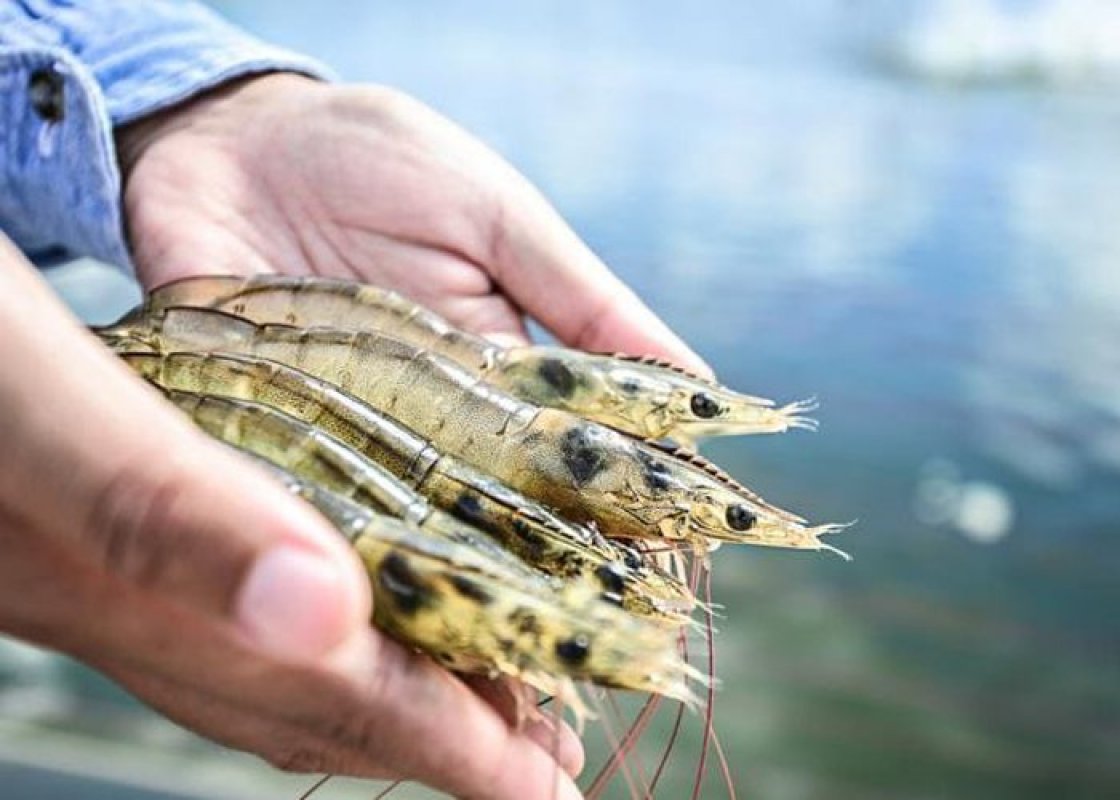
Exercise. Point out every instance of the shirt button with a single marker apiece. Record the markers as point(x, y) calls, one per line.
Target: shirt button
point(47, 89)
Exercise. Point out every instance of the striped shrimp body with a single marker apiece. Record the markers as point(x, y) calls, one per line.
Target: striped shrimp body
point(474, 615)
point(641, 396)
point(316, 456)
point(589, 472)
point(524, 526)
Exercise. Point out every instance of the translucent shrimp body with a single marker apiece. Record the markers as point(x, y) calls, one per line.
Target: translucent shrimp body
point(522, 525)
point(473, 614)
point(640, 396)
point(587, 471)
point(317, 457)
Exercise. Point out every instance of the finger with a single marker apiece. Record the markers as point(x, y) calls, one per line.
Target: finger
point(97, 458)
point(558, 739)
point(369, 707)
point(516, 703)
point(283, 743)
point(431, 728)
point(373, 709)
point(446, 736)
point(558, 280)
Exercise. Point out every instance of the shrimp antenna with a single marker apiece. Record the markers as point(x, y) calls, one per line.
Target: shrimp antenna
point(315, 786)
point(390, 788)
point(637, 728)
point(709, 707)
point(618, 757)
point(724, 768)
point(676, 729)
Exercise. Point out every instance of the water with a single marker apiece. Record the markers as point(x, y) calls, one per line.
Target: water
point(929, 245)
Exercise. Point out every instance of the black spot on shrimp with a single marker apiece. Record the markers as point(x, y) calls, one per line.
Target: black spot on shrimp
point(629, 386)
point(526, 622)
point(569, 564)
point(583, 458)
point(536, 546)
point(469, 507)
point(558, 376)
point(630, 557)
point(612, 578)
point(574, 651)
point(471, 590)
point(408, 591)
point(655, 472)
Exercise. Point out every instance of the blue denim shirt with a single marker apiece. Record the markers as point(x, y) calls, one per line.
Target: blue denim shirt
point(71, 70)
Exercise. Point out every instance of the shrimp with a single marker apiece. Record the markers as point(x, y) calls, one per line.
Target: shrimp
point(589, 472)
point(316, 456)
point(644, 397)
point(473, 614)
point(522, 525)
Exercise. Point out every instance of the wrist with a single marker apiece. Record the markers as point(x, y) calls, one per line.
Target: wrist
point(225, 111)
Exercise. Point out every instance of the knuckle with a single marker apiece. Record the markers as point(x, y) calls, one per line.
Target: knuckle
point(133, 523)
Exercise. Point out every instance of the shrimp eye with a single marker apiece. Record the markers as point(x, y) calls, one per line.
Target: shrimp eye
point(631, 559)
point(704, 405)
point(573, 651)
point(740, 518)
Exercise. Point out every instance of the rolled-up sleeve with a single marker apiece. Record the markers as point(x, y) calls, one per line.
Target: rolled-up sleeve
point(69, 72)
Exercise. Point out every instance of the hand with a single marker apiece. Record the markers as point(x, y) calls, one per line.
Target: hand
point(134, 543)
point(284, 174)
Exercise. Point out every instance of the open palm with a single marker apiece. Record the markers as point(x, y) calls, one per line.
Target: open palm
point(284, 174)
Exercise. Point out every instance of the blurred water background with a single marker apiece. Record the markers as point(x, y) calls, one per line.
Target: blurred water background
point(908, 209)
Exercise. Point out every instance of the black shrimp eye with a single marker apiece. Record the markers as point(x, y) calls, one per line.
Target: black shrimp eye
point(573, 651)
point(631, 559)
point(704, 405)
point(740, 518)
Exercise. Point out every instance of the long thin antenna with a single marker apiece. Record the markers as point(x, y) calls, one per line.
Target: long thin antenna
point(315, 786)
point(617, 758)
point(385, 792)
point(709, 710)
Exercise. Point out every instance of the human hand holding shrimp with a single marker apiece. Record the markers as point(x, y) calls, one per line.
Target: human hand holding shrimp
point(141, 547)
point(146, 529)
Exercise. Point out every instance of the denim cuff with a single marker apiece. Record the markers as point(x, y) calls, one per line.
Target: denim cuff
point(70, 71)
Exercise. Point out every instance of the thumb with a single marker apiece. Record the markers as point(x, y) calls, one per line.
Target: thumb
point(205, 527)
point(97, 459)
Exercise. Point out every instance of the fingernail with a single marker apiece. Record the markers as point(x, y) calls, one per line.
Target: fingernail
point(295, 603)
